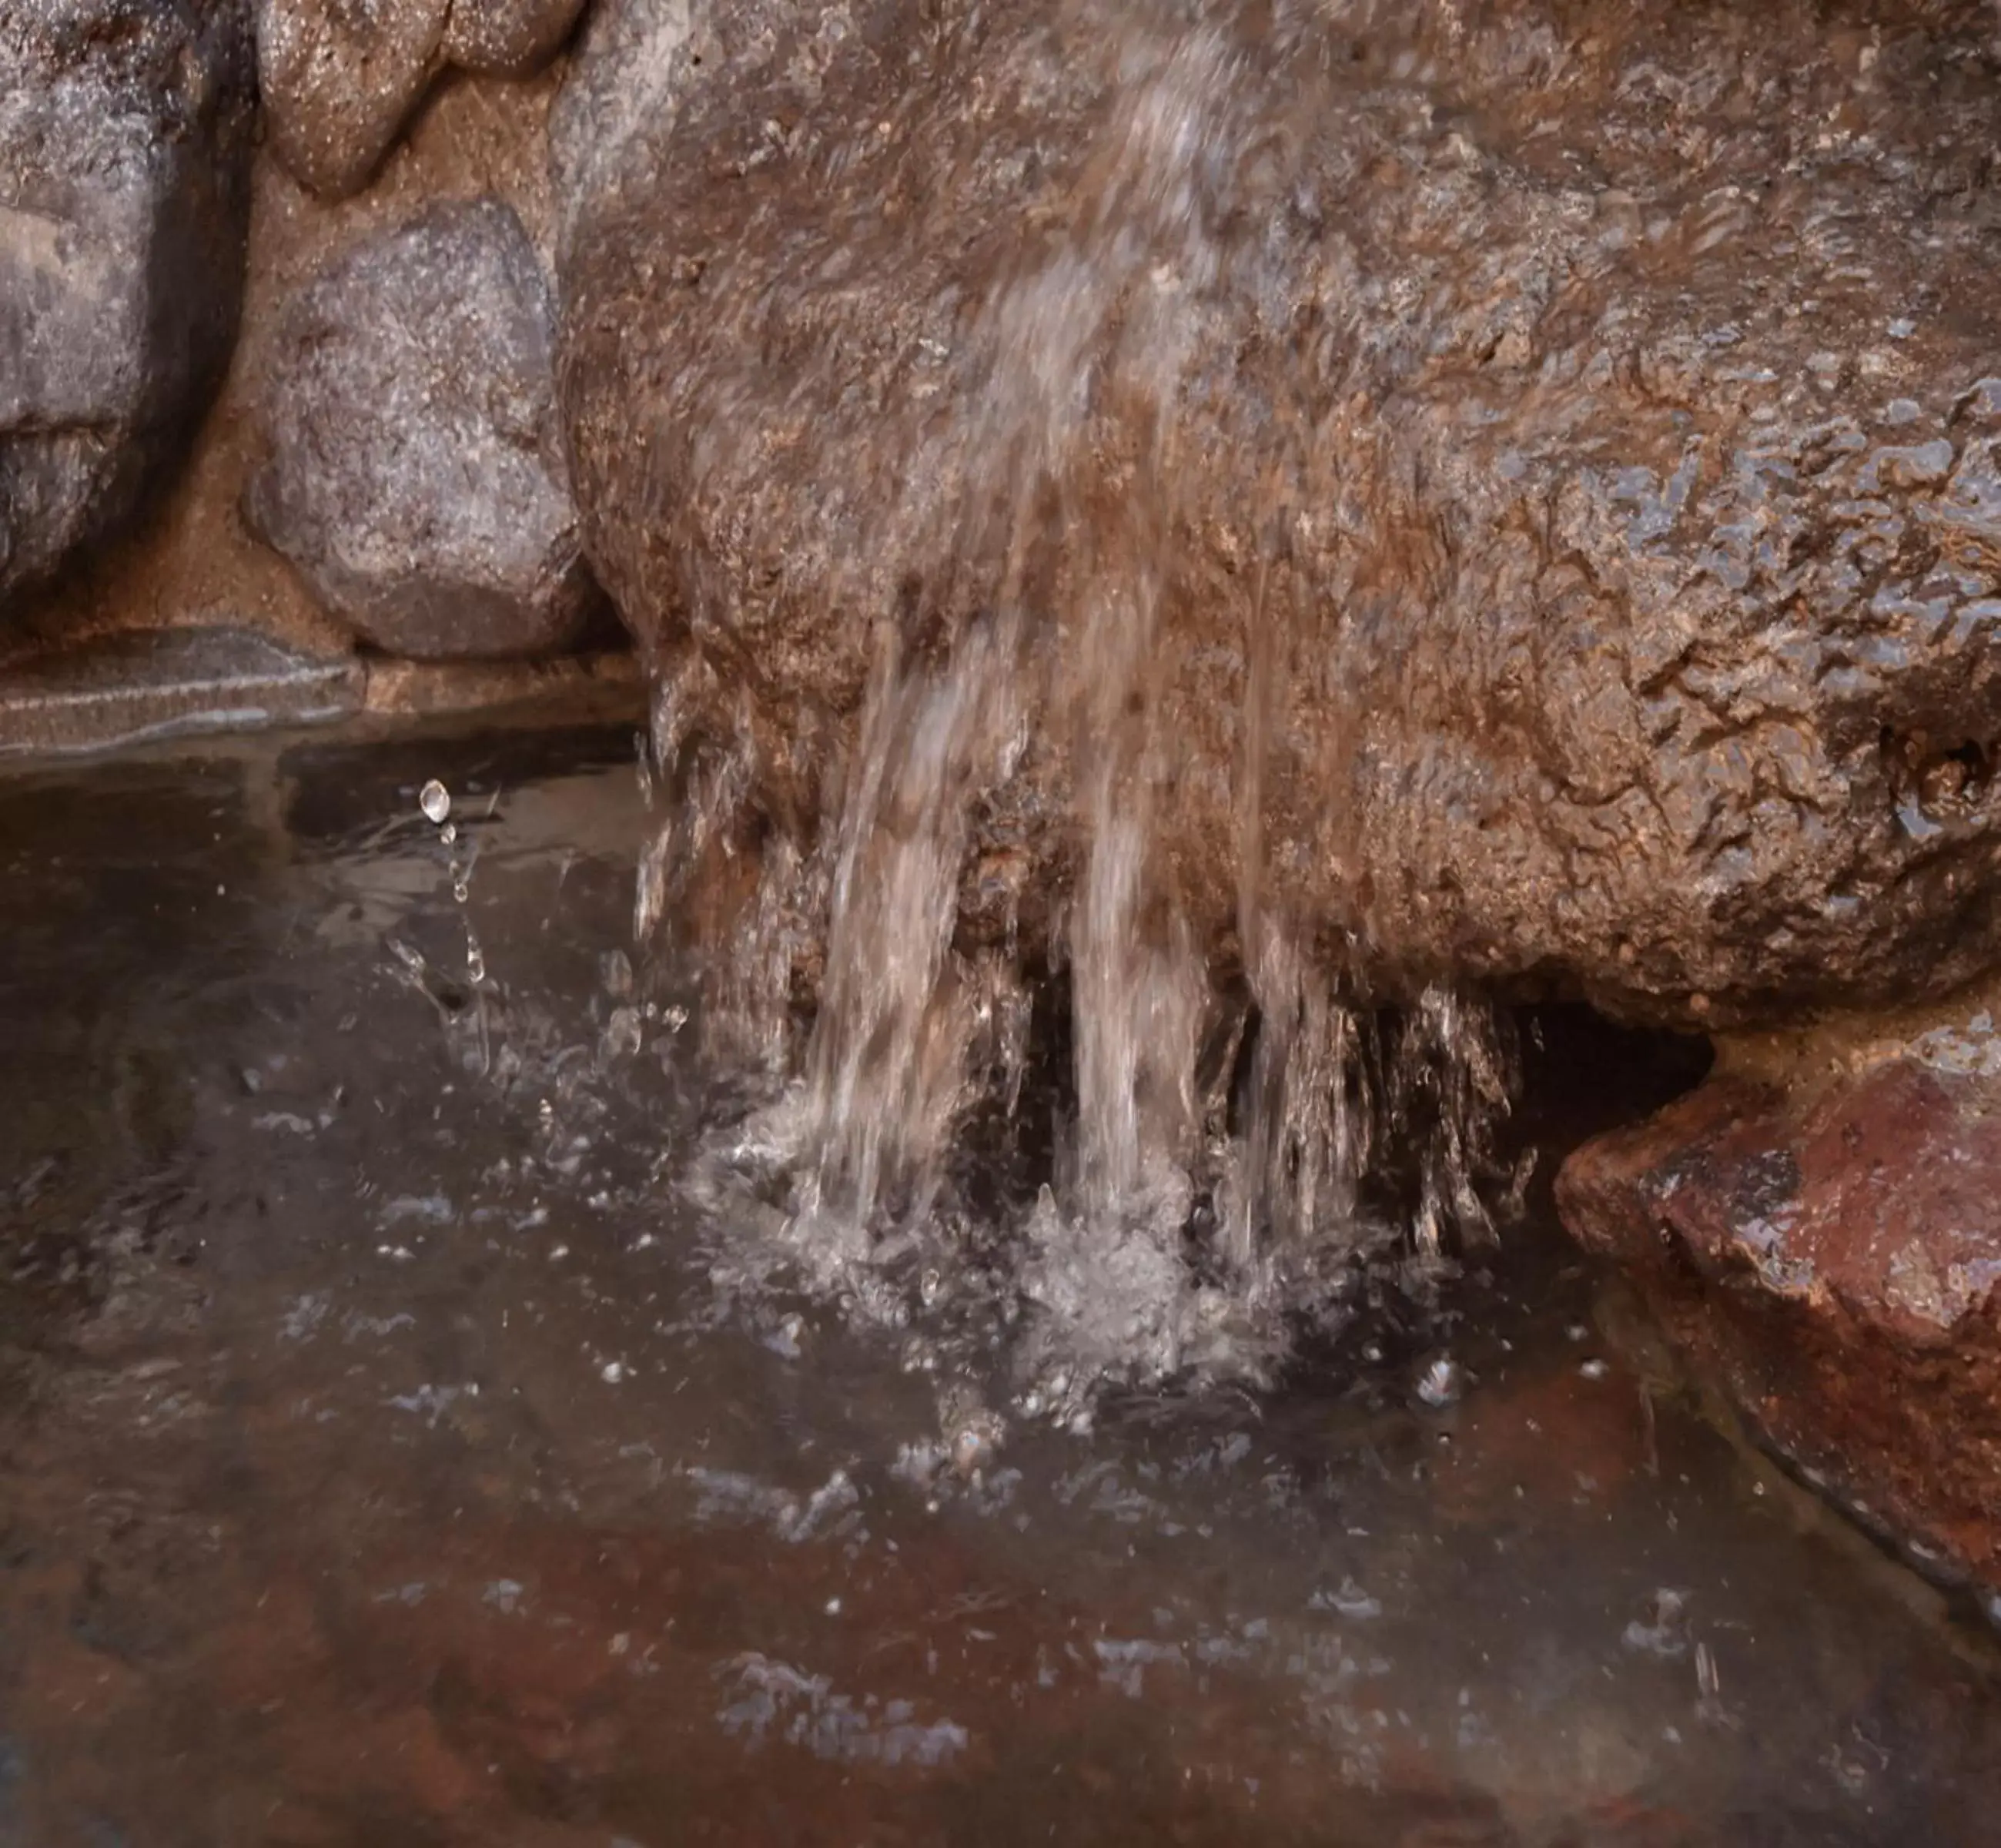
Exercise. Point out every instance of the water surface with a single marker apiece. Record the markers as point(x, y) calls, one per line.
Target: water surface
point(389, 1455)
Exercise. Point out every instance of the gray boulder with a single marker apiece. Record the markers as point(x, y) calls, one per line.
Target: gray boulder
point(416, 477)
point(340, 78)
point(632, 58)
point(125, 143)
point(1524, 484)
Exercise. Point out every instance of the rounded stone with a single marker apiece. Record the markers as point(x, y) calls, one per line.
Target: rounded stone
point(341, 78)
point(125, 146)
point(416, 477)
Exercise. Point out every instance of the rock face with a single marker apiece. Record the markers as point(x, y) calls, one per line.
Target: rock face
point(340, 78)
point(416, 477)
point(1541, 468)
point(125, 141)
point(1832, 1254)
point(631, 62)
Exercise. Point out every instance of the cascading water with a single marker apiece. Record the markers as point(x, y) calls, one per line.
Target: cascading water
point(1211, 1186)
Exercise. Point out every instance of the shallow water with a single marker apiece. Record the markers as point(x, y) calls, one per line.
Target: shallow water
point(390, 1453)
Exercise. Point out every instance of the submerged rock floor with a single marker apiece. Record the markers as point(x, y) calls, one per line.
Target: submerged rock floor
point(380, 1460)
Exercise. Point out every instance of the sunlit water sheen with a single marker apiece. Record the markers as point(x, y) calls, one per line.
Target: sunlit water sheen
point(399, 1444)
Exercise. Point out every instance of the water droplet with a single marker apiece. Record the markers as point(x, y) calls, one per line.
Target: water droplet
point(449, 833)
point(475, 965)
point(1594, 1369)
point(612, 1372)
point(1441, 1383)
point(458, 890)
point(435, 801)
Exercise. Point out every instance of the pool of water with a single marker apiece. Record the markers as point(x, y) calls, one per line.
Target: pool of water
point(385, 1458)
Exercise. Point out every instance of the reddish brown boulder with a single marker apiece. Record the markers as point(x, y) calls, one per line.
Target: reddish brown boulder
point(1543, 461)
point(1831, 1253)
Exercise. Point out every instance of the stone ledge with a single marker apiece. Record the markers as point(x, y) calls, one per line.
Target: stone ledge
point(135, 688)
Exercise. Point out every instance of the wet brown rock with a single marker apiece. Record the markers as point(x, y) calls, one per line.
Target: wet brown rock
point(1831, 1254)
point(340, 78)
point(1551, 455)
point(416, 478)
point(507, 38)
point(125, 131)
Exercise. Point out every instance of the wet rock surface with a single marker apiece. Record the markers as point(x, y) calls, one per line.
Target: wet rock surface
point(125, 142)
point(340, 78)
point(1830, 1253)
point(416, 477)
point(1544, 466)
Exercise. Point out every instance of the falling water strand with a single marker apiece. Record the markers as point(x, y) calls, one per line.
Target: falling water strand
point(898, 1012)
point(1071, 382)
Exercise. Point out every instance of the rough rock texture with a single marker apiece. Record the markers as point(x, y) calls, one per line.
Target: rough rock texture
point(507, 38)
point(125, 141)
point(630, 64)
point(193, 561)
point(1832, 1253)
point(1555, 447)
point(416, 477)
point(340, 78)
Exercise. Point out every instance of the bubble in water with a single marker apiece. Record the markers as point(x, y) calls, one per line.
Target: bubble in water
point(435, 802)
point(449, 833)
point(475, 964)
point(459, 889)
point(623, 1033)
point(1351, 1601)
point(972, 1448)
point(1664, 1629)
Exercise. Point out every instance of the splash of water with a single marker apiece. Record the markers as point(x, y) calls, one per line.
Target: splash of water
point(1211, 1186)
